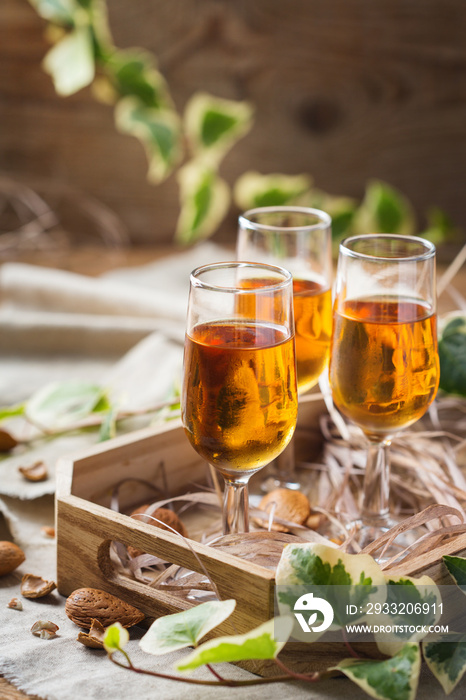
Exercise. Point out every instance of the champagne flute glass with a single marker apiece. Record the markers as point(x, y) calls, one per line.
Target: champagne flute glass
point(384, 368)
point(299, 239)
point(239, 395)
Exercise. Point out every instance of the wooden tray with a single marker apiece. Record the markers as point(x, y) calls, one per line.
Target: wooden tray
point(86, 525)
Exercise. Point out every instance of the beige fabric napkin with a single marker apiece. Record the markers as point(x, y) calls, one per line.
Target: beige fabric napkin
point(44, 310)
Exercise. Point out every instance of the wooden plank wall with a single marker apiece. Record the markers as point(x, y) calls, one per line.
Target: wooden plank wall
point(345, 90)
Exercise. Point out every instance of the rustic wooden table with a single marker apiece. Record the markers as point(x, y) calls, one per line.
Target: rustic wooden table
point(90, 261)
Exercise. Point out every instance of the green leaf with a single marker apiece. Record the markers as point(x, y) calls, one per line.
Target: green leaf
point(11, 411)
point(213, 124)
point(116, 637)
point(385, 210)
point(440, 227)
point(186, 628)
point(71, 62)
point(259, 643)
point(393, 679)
point(447, 661)
point(341, 222)
point(409, 594)
point(339, 578)
point(60, 404)
point(255, 190)
point(452, 356)
point(158, 130)
point(204, 199)
point(457, 568)
point(58, 11)
point(108, 428)
point(133, 73)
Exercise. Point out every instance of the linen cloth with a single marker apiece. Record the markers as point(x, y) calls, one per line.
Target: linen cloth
point(124, 330)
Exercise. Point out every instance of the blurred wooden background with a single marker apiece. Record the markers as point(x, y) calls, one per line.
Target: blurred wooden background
point(345, 90)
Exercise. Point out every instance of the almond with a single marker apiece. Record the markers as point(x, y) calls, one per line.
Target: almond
point(94, 639)
point(35, 586)
point(44, 629)
point(11, 556)
point(292, 506)
point(314, 521)
point(87, 604)
point(166, 516)
point(36, 472)
point(7, 441)
point(48, 531)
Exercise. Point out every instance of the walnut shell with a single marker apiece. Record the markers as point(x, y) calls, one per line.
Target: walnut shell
point(165, 515)
point(289, 505)
point(35, 586)
point(11, 556)
point(87, 604)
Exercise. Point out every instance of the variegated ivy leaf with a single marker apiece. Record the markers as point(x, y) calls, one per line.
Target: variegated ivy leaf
point(440, 227)
point(71, 61)
point(452, 356)
point(186, 628)
point(108, 429)
point(61, 12)
point(159, 131)
point(133, 72)
point(10, 411)
point(213, 124)
point(341, 579)
point(255, 190)
point(204, 199)
point(60, 404)
point(457, 568)
point(419, 600)
point(393, 679)
point(116, 637)
point(447, 661)
point(263, 642)
point(385, 210)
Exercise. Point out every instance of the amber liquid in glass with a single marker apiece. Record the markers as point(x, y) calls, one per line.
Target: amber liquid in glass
point(240, 401)
point(312, 306)
point(384, 370)
point(313, 329)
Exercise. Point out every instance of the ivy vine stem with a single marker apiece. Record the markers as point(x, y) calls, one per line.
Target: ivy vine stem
point(308, 677)
point(231, 683)
point(352, 651)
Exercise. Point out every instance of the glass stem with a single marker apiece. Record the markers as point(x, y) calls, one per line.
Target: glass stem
point(235, 507)
point(285, 464)
point(375, 504)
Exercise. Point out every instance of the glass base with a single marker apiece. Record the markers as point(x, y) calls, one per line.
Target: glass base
point(279, 482)
point(368, 531)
